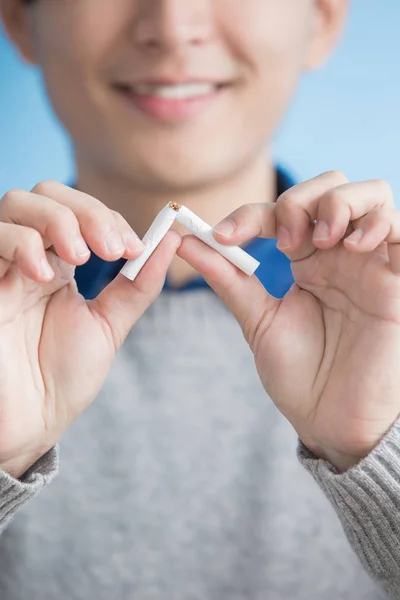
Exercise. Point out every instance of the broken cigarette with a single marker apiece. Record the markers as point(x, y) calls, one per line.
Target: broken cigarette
point(205, 233)
point(164, 221)
point(158, 229)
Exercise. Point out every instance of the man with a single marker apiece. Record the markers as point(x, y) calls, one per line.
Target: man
point(181, 480)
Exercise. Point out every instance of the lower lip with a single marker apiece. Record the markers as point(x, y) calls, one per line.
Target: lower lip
point(172, 110)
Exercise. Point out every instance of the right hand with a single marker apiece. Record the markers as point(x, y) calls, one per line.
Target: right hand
point(55, 347)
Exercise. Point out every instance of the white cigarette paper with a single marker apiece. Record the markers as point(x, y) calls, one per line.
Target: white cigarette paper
point(205, 233)
point(163, 223)
point(158, 229)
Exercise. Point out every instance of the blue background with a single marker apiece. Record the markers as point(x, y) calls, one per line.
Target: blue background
point(344, 117)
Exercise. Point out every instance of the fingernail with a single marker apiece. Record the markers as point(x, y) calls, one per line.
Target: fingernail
point(284, 238)
point(133, 243)
point(322, 232)
point(225, 227)
point(113, 243)
point(80, 248)
point(46, 272)
point(355, 237)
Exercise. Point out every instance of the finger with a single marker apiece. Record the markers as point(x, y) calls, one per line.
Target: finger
point(56, 223)
point(14, 291)
point(24, 246)
point(133, 245)
point(245, 296)
point(378, 226)
point(289, 219)
point(347, 204)
point(104, 234)
point(296, 212)
point(122, 302)
point(247, 222)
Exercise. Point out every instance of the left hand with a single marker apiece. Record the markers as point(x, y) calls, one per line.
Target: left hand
point(328, 354)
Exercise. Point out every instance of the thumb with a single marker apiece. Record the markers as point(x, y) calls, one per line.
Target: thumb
point(123, 302)
point(252, 306)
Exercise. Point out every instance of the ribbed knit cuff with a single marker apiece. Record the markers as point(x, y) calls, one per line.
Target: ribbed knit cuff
point(367, 501)
point(14, 493)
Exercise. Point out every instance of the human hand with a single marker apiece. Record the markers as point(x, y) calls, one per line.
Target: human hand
point(55, 347)
point(328, 354)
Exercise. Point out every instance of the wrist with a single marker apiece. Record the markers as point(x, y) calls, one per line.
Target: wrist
point(17, 466)
point(342, 461)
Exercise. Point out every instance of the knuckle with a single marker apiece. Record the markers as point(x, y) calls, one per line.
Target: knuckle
point(382, 183)
point(288, 205)
point(48, 187)
point(288, 198)
point(333, 197)
point(12, 198)
point(338, 177)
point(63, 216)
point(385, 188)
point(102, 216)
point(121, 222)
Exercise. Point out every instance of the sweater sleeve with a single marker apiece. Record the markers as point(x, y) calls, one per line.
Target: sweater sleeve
point(14, 493)
point(367, 501)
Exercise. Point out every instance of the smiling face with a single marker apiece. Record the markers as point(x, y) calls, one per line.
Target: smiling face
point(173, 93)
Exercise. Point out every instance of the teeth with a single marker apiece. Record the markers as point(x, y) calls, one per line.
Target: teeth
point(175, 92)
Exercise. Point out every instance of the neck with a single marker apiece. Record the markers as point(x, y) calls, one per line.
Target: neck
point(255, 183)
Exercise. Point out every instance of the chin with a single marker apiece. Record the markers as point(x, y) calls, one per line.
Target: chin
point(178, 177)
point(170, 168)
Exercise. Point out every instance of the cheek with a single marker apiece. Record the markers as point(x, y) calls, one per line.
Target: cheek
point(69, 51)
point(269, 39)
point(72, 38)
point(78, 30)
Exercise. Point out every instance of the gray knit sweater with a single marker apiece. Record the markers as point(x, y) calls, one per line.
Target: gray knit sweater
point(181, 482)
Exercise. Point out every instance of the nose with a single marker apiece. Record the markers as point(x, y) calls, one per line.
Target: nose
point(172, 24)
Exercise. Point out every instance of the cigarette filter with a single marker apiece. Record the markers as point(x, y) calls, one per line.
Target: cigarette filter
point(158, 229)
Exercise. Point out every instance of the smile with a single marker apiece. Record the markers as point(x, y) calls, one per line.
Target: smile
point(172, 103)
